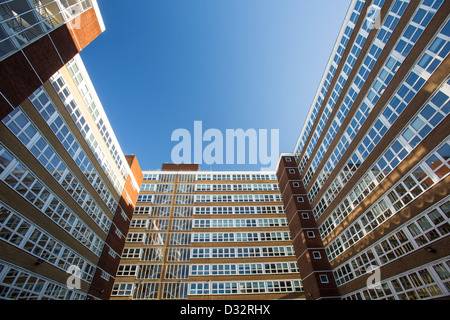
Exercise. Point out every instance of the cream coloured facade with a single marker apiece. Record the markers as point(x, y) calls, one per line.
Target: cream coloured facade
point(201, 235)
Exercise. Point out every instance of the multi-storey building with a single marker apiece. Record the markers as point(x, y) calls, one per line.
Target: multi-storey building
point(366, 189)
point(358, 210)
point(37, 38)
point(208, 235)
point(67, 191)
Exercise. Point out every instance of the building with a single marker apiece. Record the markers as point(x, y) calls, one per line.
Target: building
point(208, 235)
point(37, 38)
point(358, 210)
point(366, 188)
point(67, 191)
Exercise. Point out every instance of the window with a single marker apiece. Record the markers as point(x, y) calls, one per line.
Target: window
point(180, 239)
point(155, 238)
point(24, 285)
point(166, 178)
point(288, 159)
point(323, 278)
point(139, 223)
point(242, 252)
point(20, 232)
point(146, 291)
point(316, 255)
point(184, 199)
point(392, 65)
point(177, 271)
point(127, 270)
point(36, 192)
point(198, 288)
point(112, 253)
point(185, 188)
point(183, 212)
point(296, 184)
point(164, 188)
point(422, 283)
point(300, 199)
point(135, 237)
point(60, 86)
point(178, 254)
point(161, 199)
point(122, 289)
point(292, 171)
point(415, 183)
point(160, 211)
point(152, 254)
point(182, 224)
point(150, 176)
point(131, 253)
point(142, 210)
point(22, 127)
point(244, 268)
point(105, 276)
point(305, 215)
point(157, 224)
point(310, 234)
point(175, 290)
point(145, 198)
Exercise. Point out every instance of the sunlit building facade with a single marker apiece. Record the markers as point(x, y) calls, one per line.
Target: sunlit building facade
point(200, 235)
point(37, 38)
point(359, 209)
point(67, 191)
point(372, 160)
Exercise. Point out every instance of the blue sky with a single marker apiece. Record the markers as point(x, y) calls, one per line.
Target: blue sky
point(249, 64)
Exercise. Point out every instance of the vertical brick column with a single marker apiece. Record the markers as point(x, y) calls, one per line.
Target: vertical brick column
point(100, 287)
point(315, 270)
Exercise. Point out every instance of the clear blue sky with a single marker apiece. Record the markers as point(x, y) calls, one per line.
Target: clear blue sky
point(250, 64)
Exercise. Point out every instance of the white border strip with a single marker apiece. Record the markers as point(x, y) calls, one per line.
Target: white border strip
point(99, 15)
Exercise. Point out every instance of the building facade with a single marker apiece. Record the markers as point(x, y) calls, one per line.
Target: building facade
point(208, 235)
point(37, 38)
point(67, 191)
point(358, 210)
point(372, 161)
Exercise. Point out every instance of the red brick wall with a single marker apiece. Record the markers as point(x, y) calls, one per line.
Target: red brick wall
point(101, 288)
point(299, 226)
